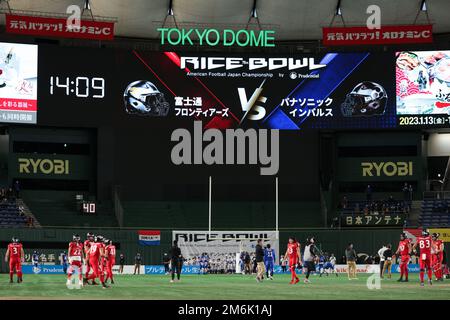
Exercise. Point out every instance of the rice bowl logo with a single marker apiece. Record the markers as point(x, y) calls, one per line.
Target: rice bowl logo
point(251, 63)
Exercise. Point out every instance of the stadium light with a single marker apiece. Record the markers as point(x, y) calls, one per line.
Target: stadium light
point(87, 5)
point(7, 5)
point(423, 5)
point(337, 13)
point(338, 9)
point(170, 10)
point(170, 13)
point(422, 8)
point(254, 13)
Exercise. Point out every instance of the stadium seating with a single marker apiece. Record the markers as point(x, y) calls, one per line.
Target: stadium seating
point(10, 216)
point(435, 213)
point(395, 206)
point(241, 215)
point(64, 213)
point(181, 215)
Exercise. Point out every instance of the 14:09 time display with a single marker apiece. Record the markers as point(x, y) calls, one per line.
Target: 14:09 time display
point(81, 87)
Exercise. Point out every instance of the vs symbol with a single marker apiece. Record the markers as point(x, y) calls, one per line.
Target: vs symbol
point(252, 104)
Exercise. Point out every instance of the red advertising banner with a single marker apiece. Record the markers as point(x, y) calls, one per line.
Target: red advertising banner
point(18, 104)
point(385, 35)
point(57, 27)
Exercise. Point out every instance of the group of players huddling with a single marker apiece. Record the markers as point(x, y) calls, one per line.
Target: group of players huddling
point(97, 254)
point(430, 256)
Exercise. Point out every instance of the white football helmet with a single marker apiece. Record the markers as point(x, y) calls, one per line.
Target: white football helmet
point(143, 98)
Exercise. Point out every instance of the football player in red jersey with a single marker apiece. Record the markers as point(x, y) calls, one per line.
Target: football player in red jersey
point(438, 256)
point(87, 247)
point(15, 255)
point(96, 253)
point(425, 244)
point(293, 252)
point(75, 257)
point(110, 252)
point(103, 259)
point(403, 251)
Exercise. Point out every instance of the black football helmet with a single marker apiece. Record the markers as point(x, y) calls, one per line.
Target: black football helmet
point(366, 99)
point(425, 233)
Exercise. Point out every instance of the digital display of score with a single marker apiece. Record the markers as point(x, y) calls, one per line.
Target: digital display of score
point(81, 87)
point(89, 207)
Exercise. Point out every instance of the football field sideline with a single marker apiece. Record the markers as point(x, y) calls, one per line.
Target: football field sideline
point(223, 287)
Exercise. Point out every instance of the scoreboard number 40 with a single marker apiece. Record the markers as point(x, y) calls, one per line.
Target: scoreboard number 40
point(89, 207)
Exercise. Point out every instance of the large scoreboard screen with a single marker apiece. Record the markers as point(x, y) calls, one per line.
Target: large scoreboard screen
point(91, 87)
point(333, 90)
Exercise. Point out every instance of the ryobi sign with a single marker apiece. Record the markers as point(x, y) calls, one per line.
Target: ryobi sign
point(43, 166)
point(379, 169)
point(387, 169)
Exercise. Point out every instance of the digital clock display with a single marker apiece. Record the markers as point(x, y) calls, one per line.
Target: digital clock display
point(81, 87)
point(74, 91)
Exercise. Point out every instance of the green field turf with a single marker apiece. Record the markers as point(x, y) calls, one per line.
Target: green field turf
point(229, 287)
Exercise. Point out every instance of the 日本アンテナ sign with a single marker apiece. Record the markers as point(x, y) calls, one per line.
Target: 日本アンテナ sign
point(361, 220)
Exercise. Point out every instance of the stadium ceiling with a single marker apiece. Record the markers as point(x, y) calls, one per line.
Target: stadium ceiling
point(291, 19)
